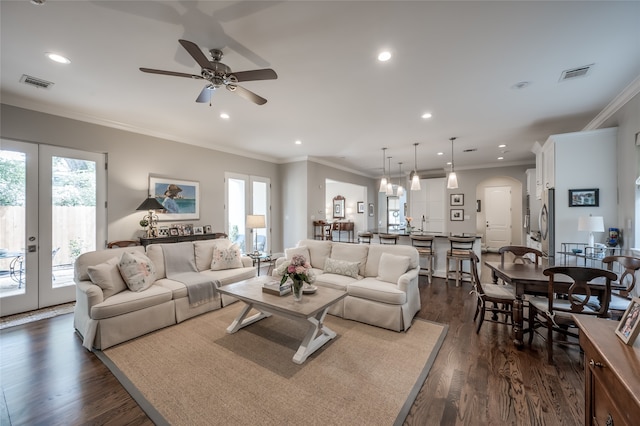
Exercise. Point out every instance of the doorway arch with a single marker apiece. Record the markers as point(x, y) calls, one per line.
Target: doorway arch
point(516, 206)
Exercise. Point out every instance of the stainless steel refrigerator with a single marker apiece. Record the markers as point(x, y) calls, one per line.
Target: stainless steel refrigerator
point(547, 224)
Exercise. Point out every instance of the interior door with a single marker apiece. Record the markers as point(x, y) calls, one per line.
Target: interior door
point(498, 216)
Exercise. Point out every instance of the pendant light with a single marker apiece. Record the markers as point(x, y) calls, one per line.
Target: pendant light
point(452, 182)
point(415, 180)
point(400, 191)
point(383, 181)
point(389, 191)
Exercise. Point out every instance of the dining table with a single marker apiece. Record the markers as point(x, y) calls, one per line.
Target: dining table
point(528, 278)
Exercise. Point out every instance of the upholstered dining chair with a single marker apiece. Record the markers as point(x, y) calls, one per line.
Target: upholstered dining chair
point(556, 311)
point(424, 245)
point(520, 254)
point(458, 253)
point(501, 298)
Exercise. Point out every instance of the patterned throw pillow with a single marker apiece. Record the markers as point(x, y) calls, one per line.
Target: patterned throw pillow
point(138, 271)
point(341, 267)
point(226, 258)
point(107, 276)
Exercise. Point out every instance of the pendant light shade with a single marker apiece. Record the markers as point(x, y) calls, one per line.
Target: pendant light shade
point(415, 180)
point(389, 190)
point(400, 191)
point(452, 181)
point(383, 181)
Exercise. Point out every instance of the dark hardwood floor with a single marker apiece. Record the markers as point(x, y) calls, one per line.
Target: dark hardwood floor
point(48, 378)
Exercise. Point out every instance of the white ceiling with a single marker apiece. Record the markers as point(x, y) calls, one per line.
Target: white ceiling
point(457, 60)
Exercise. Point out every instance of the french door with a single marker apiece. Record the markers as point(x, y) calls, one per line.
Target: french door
point(52, 210)
point(248, 195)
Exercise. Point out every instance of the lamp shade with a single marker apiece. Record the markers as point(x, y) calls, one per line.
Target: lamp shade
point(255, 221)
point(150, 204)
point(452, 182)
point(591, 223)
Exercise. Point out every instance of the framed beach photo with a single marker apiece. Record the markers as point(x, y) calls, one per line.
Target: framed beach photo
point(584, 197)
point(629, 326)
point(456, 199)
point(180, 198)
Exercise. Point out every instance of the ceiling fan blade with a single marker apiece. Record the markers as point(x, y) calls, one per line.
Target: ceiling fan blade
point(247, 94)
point(173, 73)
point(205, 95)
point(263, 74)
point(196, 53)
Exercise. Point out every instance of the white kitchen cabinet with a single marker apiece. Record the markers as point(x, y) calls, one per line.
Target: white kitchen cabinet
point(429, 203)
point(537, 150)
point(549, 164)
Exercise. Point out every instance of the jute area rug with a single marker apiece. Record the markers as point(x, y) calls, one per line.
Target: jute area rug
point(193, 373)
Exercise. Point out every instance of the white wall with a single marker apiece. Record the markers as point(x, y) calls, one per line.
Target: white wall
point(352, 194)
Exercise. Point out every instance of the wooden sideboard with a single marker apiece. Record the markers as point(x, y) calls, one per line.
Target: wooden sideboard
point(612, 374)
point(178, 239)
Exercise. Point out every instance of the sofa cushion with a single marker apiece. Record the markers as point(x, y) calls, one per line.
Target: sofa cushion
point(341, 267)
point(352, 253)
point(204, 251)
point(318, 251)
point(228, 276)
point(130, 301)
point(301, 250)
point(339, 282)
point(379, 291)
point(376, 251)
point(138, 271)
point(392, 266)
point(155, 253)
point(107, 276)
point(229, 258)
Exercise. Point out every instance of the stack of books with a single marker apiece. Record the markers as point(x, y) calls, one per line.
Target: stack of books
point(274, 287)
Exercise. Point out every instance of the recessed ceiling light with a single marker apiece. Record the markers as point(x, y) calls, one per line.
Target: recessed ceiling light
point(448, 163)
point(521, 85)
point(426, 115)
point(224, 116)
point(502, 146)
point(58, 58)
point(500, 158)
point(298, 142)
point(38, 2)
point(440, 153)
point(384, 56)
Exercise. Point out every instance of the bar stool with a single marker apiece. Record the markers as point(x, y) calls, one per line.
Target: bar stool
point(365, 237)
point(388, 238)
point(424, 245)
point(458, 253)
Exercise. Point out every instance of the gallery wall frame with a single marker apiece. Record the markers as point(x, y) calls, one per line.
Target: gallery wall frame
point(456, 215)
point(360, 206)
point(456, 199)
point(584, 197)
point(181, 198)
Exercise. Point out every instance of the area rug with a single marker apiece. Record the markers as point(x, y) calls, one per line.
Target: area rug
point(194, 373)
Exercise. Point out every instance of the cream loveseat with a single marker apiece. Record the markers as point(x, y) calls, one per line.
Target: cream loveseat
point(381, 281)
point(107, 312)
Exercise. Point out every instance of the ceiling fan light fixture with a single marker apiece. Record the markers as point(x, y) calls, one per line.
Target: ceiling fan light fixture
point(415, 180)
point(452, 181)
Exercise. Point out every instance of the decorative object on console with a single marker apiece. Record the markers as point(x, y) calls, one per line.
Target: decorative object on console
point(584, 197)
point(591, 224)
point(452, 181)
point(256, 221)
point(179, 198)
point(150, 220)
point(614, 237)
point(629, 325)
point(208, 229)
point(383, 181)
point(415, 179)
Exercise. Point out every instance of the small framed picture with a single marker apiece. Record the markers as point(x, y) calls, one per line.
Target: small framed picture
point(188, 229)
point(584, 197)
point(198, 230)
point(629, 325)
point(360, 206)
point(207, 229)
point(173, 232)
point(163, 231)
point(456, 215)
point(456, 199)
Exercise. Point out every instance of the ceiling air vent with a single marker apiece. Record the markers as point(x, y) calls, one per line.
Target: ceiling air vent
point(575, 72)
point(36, 82)
point(470, 150)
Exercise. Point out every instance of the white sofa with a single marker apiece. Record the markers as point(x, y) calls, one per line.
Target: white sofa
point(383, 291)
point(106, 321)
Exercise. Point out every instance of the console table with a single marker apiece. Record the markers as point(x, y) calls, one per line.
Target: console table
point(612, 374)
point(180, 238)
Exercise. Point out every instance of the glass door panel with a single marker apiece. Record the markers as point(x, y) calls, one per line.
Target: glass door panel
point(236, 211)
point(260, 205)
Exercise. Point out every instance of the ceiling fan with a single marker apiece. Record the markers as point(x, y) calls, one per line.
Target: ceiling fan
point(219, 74)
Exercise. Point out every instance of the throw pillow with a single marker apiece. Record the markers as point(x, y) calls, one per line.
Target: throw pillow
point(391, 267)
point(138, 271)
point(226, 258)
point(302, 250)
point(204, 251)
point(107, 276)
point(341, 267)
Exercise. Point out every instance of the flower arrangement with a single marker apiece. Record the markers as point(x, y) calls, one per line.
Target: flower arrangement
point(298, 269)
point(408, 219)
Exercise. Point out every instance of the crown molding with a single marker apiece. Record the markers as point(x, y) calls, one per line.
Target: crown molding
point(627, 94)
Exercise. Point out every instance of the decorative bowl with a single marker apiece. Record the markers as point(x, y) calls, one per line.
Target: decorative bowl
point(576, 251)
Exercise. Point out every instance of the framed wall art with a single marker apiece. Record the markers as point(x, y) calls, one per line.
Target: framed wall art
point(338, 206)
point(456, 199)
point(629, 325)
point(180, 198)
point(584, 197)
point(456, 215)
point(360, 206)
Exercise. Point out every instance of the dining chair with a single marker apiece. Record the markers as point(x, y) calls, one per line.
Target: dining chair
point(520, 254)
point(424, 245)
point(556, 311)
point(388, 238)
point(365, 237)
point(627, 267)
point(458, 253)
point(500, 296)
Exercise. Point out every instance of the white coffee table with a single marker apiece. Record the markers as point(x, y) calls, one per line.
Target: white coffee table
point(311, 310)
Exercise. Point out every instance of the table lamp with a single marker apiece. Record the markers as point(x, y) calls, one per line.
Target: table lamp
point(151, 205)
point(591, 224)
point(256, 221)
